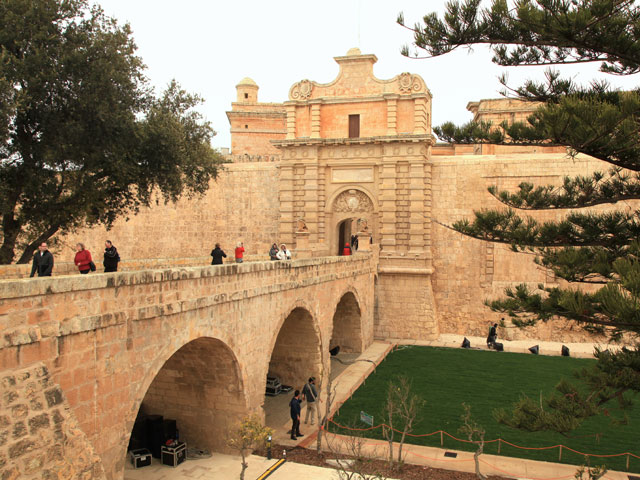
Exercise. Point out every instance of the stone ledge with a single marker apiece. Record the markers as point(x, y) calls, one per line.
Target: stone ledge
point(44, 286)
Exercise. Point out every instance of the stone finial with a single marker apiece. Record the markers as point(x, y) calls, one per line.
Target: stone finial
point(353, 52)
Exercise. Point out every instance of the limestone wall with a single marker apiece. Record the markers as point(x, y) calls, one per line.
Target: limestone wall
point(39, 437)
point(469, 271)
point(242, 205)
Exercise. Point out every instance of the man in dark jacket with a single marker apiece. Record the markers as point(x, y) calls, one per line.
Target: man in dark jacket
point(42, 262)
point(111, 257)
point(217, 254)
point(294, 406)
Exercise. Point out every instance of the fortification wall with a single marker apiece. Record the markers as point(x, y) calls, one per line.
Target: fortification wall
point(241, 205)
point(468, 271)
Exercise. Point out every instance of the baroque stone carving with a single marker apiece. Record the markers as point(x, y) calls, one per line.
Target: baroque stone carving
point(301, 90)
point(353, 201)
point(302, 226)
point(409, 83)
point(363, 225)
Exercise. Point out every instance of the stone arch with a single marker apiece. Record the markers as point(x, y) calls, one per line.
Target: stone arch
point(296, 347)
point(338, 211)
point(347, 332)
point(200, 386)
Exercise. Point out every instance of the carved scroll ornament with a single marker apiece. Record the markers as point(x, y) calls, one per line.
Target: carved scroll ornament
point(353, 201)
point(409, 83)
point(301, 90)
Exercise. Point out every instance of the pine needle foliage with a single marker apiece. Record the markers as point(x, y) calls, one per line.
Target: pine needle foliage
point(585, 246)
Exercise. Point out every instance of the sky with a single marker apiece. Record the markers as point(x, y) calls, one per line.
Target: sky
point(209, 46)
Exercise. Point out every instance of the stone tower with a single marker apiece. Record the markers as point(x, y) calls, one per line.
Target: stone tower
point(356, 160)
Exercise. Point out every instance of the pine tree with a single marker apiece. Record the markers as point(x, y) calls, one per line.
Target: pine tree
point(583, 247)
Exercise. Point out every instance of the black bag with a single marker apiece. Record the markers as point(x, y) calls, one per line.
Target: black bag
point(92, 266)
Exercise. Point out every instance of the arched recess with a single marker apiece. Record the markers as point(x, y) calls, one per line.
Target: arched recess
point(200, 386)
point(353, 206)
point(297, 351)
point(347, 325)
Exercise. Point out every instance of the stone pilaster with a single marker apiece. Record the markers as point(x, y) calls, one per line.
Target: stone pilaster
point(420, 116)
point(388, 201)
point(286, 202)
point(291, 121)
point(315, 120)
point(392, 114)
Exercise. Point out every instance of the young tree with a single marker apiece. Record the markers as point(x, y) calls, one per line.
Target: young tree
point(400, 411)
point(83, 140)
point(247, 436)
point(323, 420)
point(475, 434)
point(585, 247)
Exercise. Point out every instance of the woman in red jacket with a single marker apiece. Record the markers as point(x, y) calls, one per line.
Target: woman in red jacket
point(346, 250)
point(83, 259)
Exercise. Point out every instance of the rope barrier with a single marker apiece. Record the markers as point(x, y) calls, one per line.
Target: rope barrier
point(560, 446)
point(466, 460)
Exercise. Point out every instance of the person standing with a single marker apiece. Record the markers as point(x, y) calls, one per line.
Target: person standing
point(493, 335)
point(42, 262)
point(273, 252)
point(284, 253)
point(239, 252)
point(346, 251)
point(294, 409)
point(83, 259)
point(310, 394)
point(217, 254)
point(111, 257)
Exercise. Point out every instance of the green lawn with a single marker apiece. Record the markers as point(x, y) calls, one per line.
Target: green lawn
point(487, 380)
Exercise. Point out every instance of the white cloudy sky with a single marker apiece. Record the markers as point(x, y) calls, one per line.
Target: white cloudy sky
point(209, 46)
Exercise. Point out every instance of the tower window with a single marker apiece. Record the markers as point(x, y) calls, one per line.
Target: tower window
point(246, 126)
point(354, 126)
point(246, 95)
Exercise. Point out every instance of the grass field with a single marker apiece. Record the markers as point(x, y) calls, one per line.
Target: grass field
point(486, 380)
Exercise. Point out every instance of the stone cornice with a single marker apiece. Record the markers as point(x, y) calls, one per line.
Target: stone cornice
point(428, 139)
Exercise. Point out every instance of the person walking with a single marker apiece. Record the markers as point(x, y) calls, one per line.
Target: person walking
point(273, 252)
point(239, 252)
point(346, 251)
point(217, 254)
point(83, 259)
point(42, 262)
point(493, 335)
point(310, 394)
point(294, 410)
point(111, 257)
point(284, 253)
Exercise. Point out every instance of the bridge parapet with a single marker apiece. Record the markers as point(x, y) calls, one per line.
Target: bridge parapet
point(32, 310)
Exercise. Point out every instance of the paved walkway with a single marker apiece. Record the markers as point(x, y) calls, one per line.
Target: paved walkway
point(579, 350)
point(227, 467)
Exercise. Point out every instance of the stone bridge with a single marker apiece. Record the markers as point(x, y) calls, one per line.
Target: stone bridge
point(81, 356)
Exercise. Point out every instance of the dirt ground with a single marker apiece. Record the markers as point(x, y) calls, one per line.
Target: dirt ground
point(374, 467)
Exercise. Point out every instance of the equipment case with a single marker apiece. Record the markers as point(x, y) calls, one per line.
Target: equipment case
point(175, 455)
point(140, 457)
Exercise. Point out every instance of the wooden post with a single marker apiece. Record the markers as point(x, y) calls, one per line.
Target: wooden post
point(441, 439)
point(627, 462)
point(499, 443)
point(560, 453)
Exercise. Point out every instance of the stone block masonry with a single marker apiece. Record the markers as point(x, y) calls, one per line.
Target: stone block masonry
point(193, 343)
point(39, 437)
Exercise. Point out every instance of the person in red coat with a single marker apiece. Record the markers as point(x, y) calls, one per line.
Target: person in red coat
point(239, 252)
point(83, 259)
point(346, 250)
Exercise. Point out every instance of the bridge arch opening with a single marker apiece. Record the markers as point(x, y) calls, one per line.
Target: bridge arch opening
point(296, 355)
point(347, 325)
point(200, 387)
